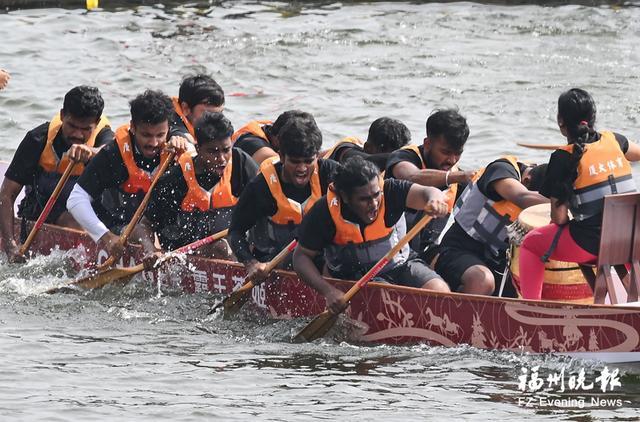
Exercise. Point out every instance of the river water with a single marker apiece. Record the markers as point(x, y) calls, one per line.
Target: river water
point(138, 354)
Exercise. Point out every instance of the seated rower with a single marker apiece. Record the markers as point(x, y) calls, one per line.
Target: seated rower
point(592, 165)
point(273, 203)
point(434, 163)
point(472, 253)
point(195, 199)
point(358, 221)
point(385, 136)
point(259, 138)
point(116, 180)
point(197, 94)
point(76, 133)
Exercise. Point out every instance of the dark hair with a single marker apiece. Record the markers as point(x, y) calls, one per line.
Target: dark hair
point(388, 134)
point(451, 124)
point(286, 117)
point(212, 127)
point(201, 89)
point(355, 172)
point(151, 107)
point(83, 102)
point(577, 110)
point(300, 137)
point(538, 173)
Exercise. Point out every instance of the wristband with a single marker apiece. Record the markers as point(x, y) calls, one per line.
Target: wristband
point(446, 178)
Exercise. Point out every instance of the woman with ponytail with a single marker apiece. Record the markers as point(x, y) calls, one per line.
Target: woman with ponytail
point(592, 165)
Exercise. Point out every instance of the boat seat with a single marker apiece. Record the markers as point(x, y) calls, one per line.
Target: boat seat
point(619, 248)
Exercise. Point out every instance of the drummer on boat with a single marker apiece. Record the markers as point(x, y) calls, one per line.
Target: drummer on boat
point(197, 94)
point(386, 135)
point(196, 198)
point(76, 133)
point(472, 254)
point(592, 165)
point(112, 186)
point(434, 163)
point(272, 205)
point(356, 224)
point(259, 138)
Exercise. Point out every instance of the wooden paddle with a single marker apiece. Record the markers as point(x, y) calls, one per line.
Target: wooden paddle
point(540, 146)
point(323, 322)
point(237, 299)
point(138, 215)
point(47, 208)
point(113, 274)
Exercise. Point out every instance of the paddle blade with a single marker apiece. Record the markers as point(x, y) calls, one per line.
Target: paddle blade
point(100, 279)
point(317, 328)
point(236, 300)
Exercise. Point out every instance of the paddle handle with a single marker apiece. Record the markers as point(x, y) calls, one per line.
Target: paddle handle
point(138, 214)
point(198, 243)
point(373, 271)
point(275, 261)
point(48, 207)
point(540, 146)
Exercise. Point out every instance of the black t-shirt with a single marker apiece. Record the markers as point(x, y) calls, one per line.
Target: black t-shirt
point(177, 126)
point(256, 203)
point(24, 167)
point(107, 169)
point(317, 229)
point(171, 189)
point(404, 155)
point(586, 233)
point(500, 169)
point(250, 143)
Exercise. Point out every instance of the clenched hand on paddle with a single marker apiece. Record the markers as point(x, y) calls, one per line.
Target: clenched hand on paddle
point(337, 302)
point(114, 274)
point(235, 300)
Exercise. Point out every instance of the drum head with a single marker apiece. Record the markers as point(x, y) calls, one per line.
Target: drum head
point(535, 216)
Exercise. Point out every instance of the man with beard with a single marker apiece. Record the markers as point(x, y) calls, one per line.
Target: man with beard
point(116, 180)
point(76, 133)
point(434, 164)
point(196, 198)
point(357, 223)
point(272, 206)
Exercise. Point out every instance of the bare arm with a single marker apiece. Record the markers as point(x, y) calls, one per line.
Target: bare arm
point(262, 154)
point(427, 198)
point(306, 269)
point(514, 191)
point(146, 235)
point(8, 194)
point(429, 177)
point(559, 212)
point(633, 153)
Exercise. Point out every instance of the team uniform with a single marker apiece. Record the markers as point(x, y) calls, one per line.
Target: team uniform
point(351, 248)
point(186, 206)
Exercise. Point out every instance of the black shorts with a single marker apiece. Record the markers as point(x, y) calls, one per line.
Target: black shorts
point(413, 273)
point(453, 262)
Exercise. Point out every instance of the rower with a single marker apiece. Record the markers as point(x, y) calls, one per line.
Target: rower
point(472, 253)
point(434, 163)
point(197, 94)
point(195, 199)
point(358, 221)
point(112, 186)
point(259, 138)
point(273, 203)
point(77, 132)
point(385, 136)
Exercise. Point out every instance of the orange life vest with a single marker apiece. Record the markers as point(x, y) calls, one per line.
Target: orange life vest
point(49, 160)
point(603, 170)
point(139, 181)
point(178, 109)
point(199, 198)
point(348, 140)
point(254, 127)
point(288, 210)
